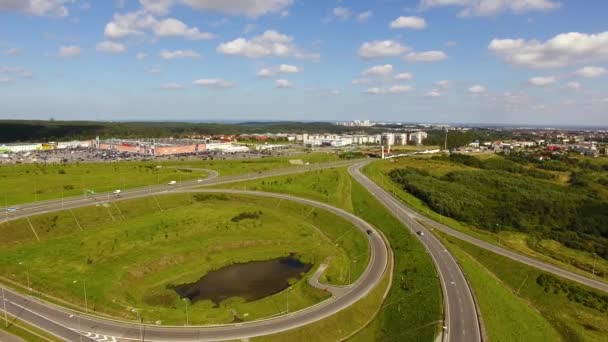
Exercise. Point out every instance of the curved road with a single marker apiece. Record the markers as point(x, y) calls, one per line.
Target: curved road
point(65, 324)
point(461, 317)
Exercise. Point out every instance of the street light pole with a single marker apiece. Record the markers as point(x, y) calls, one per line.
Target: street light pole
point(187, 315)
point(5, 312)
point(86, 301)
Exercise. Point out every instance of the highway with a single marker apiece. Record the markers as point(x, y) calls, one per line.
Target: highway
point(461, 316)
point(74, 326)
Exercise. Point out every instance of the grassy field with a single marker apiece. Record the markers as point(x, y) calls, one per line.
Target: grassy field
point(412, 309)
point(518, 306)
point(26, 331)
point(23, 183)
point(506, 317)
point(129, 251)
point(548, 250)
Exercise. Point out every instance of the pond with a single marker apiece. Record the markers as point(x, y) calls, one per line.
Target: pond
point(251, 281)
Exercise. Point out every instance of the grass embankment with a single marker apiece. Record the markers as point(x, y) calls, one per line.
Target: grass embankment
point(26, 331)
point(128, 252)
point(412, 308)
point(530, 243)
point(521, 303)
point(24, 183)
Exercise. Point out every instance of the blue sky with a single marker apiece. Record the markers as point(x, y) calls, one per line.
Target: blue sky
point(478, 61)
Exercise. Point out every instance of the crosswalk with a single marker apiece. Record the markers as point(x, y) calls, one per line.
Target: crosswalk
point(99, 337)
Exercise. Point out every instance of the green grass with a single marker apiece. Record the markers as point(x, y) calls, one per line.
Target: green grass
point(506, 317)
point(413, 305)
point(515, 307)
point(340, 325)
point(24, 183)
point(547, 250)
point(25, 331)
point(130, 251)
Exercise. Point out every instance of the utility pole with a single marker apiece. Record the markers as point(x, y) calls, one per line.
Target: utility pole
point(446, 139)
point(5, 312)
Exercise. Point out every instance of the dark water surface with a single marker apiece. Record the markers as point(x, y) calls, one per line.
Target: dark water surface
point(251, 281)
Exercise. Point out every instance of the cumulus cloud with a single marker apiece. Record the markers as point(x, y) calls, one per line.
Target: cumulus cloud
point(160, 7)
point(279, 69)
point(426, 56)
point(404, 76)
point(6, 80)
point(139, 22)
point(591, 71)
point(270, 43)
point(443, 84)
point(379, 70)
point(493, 7)
point(12, 52)
point(166, 54)
point(111, 47)
point(574, 85)
point(402, 22)
point(541, 81)
point(283, 84)
point(364, 17)
point(70, 51)
point(434, 93)
point(374, 91)
point(54, 8)
point(379, 49)
point(477, 89)
point(214, 83)
point(399, 89)
point(563, 50)
point(172, 86)
point(361, 81)
point(141, 56)
point(250, 8)
point(343, 13)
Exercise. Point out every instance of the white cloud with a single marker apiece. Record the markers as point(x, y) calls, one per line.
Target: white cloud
point(53, 8)
point(477, 89)
point(493, 7)
point(400, 89)
point(563, 50)
point(379, 49)
point(12, 52)
point(379, 70)
point(172, 86)
point(343, 13)
point(361, 81)
point(174, 28)
point(541, 81)
point(363, 17)
point(111, 47)
point(160, 7)
point(443, 84)
point(415, 23)
point(250, 8)
point(404, 76)
point(426, 56)
point(574, 85)
point(6, 80)
point(270, 43)
point(591, 71)
point(215, 83)
point(137, 23)
point(166, 54)
point(434, 93)
point(374, 91)
point(70, 51)
point(279, 69)
point(154, 70)
point(282, 84)
point(141, 56)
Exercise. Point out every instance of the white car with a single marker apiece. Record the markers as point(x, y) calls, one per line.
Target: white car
point(172, 183)
point(117, 192)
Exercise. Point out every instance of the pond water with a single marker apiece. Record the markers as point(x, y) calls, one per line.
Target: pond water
point(250, 281)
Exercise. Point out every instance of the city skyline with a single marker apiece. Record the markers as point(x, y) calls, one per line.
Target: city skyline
point(508, 62)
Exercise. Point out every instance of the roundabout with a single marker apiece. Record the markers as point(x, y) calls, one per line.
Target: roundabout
point(327, 290)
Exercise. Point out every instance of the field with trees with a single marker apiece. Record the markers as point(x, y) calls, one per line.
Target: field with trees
point(129, 253)
point(540, 212)
point(412, 310)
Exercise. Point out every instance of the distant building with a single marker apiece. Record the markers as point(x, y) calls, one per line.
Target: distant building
point(418, 137)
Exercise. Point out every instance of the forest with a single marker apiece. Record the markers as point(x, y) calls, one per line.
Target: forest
point(497, 194)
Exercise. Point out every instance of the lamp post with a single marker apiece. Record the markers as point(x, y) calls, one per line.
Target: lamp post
point(186, 300)
point(141, 331)
point(86, 301)
point(594, 260)
point(27, 272)
point(5, 312)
